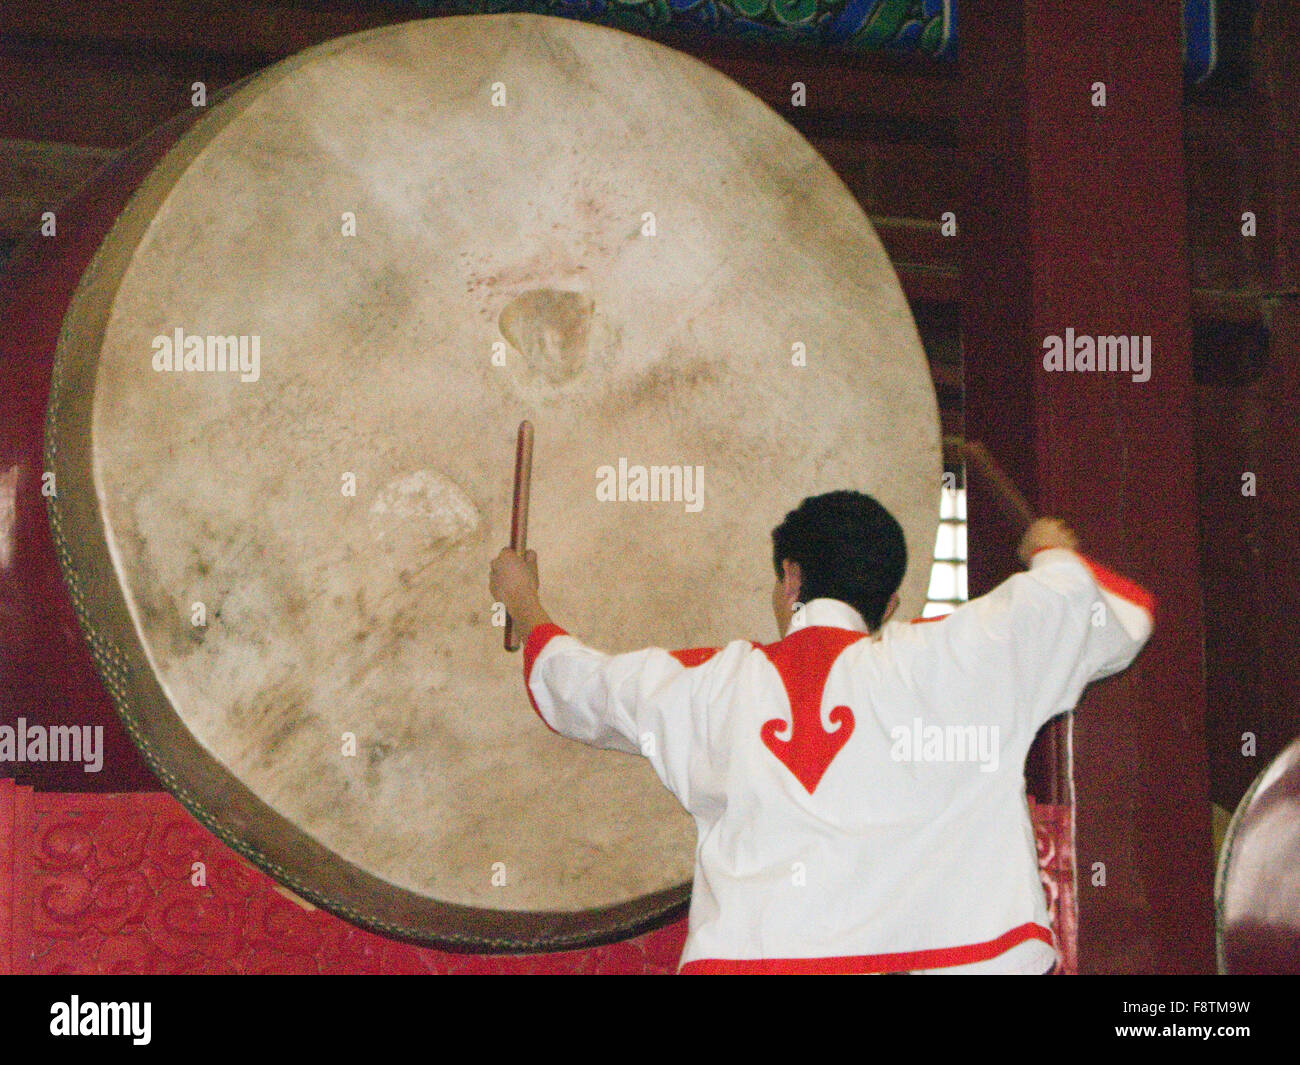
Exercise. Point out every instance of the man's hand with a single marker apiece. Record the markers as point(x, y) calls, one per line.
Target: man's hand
point(1044, 533)
point(513, 581)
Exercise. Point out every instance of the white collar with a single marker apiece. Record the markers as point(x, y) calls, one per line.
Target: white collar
point(828, 612)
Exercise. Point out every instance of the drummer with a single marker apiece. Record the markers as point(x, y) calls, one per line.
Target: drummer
point(857, 785)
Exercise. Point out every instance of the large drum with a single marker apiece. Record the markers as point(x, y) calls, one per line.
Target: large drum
point(281, 426)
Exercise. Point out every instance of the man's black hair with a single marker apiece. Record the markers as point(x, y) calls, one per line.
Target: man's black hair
point(848, 547)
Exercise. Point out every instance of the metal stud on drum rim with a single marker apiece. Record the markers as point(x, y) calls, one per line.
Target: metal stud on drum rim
point(426, 233)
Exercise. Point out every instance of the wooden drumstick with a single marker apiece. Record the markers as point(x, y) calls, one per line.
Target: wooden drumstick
point(519, 509)
point(1014, 505)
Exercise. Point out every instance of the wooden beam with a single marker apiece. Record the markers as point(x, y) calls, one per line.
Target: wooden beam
point(64, 94)
point(854, 87)
point(1228, 174)
point(245, 30)
point(39, 176)
point(911, 87)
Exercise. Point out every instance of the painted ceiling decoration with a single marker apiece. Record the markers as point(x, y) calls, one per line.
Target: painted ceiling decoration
point(928, 27)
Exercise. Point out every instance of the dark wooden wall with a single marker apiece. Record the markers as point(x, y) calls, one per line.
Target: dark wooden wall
point(1242, 144)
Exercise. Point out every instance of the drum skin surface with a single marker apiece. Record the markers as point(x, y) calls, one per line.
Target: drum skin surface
point(414, 238)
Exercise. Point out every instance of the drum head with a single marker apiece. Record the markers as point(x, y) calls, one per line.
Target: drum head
point(413, 238)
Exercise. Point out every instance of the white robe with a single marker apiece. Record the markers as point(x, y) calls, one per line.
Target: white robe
point(887, 830)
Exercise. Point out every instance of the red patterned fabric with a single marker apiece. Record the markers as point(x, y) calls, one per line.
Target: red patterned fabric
point(95, 883)
point(7, 854)
point(1054, 834)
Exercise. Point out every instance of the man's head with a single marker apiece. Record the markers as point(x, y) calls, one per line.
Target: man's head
point(841, 545)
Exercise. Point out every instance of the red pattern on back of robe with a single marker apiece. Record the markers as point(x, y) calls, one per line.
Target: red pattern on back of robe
point(803, 660)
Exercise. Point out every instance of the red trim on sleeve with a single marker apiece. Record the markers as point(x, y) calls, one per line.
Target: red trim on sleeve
point(924, 621)
point(694, 656)
point(870, 963)
point(1119, 585)
point(537, 639)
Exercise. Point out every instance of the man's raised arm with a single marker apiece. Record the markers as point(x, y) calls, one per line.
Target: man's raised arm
point(640, 702)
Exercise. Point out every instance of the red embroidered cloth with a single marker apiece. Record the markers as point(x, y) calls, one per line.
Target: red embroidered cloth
point(95, 883)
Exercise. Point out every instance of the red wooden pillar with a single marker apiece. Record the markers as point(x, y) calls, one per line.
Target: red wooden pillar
point(1275, 559)
point(1074, 218)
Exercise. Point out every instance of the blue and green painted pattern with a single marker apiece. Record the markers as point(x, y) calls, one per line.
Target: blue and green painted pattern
point(856, 25)
point(925, 26)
